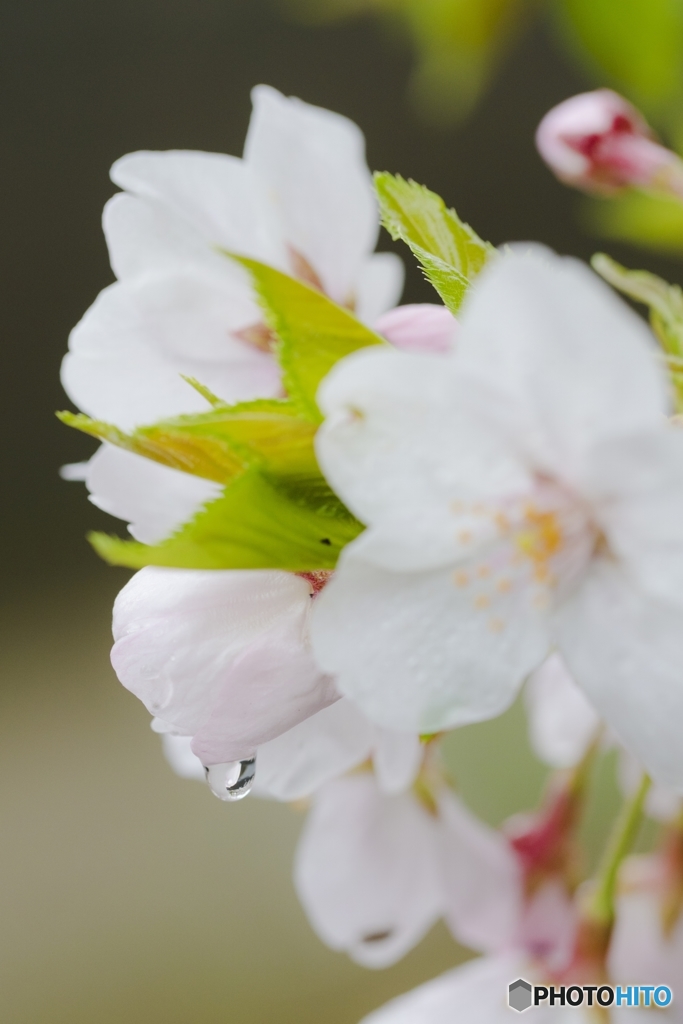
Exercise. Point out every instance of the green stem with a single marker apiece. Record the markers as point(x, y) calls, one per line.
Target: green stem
point(619, 845)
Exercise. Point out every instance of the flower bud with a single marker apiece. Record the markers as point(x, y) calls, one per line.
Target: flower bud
point(598, 142)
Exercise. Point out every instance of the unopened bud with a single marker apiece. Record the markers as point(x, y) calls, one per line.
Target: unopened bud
point(598, 142)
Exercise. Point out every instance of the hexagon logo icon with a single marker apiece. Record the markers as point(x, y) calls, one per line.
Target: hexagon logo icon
point(519, 995)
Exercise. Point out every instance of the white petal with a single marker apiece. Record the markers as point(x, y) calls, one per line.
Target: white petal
point(128, 352)
point(626, 651)
point(397, 757)
point(366, 871)
point(399, 450)
point(320, 749)
point(483, 882)
point(639, 950)
point(562, 722)
point(636, 492)
point(311, 166)
point(178, 753)
point(661, 803)
point(378, 286)
point(178, 633)
point(416, 652)
point(154, 499)
point(215, 195)
point(146, 236)
point(475, 993)
point(557, 361)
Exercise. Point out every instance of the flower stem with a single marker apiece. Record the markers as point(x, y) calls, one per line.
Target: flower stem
point(619, 845)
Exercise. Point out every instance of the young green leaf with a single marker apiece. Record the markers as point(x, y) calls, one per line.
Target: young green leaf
point(220, 443)
point(450, 252)
point(255, 524)
point(314, 333)
point(665, 302)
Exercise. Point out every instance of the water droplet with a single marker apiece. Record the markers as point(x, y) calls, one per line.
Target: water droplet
point(232, 780)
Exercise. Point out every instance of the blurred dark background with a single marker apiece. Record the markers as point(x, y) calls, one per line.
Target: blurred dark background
point(126, 894)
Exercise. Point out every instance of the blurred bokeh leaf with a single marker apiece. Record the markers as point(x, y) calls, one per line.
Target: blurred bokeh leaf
point(458, 43)
point(634, 45)
point(654, 222)
point(450, 252)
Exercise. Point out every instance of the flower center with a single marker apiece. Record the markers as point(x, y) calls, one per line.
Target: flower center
point(545, 539)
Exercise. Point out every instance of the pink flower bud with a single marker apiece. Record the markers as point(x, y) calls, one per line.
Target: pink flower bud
point(600, 143)
point(422, 327)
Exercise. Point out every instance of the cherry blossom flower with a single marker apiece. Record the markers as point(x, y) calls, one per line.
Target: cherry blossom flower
point(319, 749)
point(522, 494)
point(300, 199)
point(222, 660)
point(598, 142)
point(375, 871)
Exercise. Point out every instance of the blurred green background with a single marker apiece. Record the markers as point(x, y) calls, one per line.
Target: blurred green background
point(127, 894)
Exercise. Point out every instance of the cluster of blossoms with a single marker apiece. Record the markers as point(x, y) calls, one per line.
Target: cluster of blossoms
point(359, 526)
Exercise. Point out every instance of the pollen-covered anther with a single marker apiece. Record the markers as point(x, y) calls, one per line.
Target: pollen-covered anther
point(482, 601)
point(496, 625)
point(461, 579)
point(465, 537)
point(539, 540)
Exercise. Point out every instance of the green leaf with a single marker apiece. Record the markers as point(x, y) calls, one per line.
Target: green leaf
point(450, 252)
point(314, 333)
point(636, 45)
point(652, 222)
point(255, 524)
point(665, 302)
point(220, 443)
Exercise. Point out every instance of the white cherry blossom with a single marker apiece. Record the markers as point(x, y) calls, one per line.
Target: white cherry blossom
point(375, 871)
point(300, 199)
point(523, 494)
point(222, 657)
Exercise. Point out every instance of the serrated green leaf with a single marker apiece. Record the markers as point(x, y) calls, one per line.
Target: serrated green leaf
point(314, 333)
point(255, 524)
point(450, 252)
point(220, 443)
point(665, 302)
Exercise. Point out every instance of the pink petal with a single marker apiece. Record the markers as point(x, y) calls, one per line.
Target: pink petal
point(422, 327)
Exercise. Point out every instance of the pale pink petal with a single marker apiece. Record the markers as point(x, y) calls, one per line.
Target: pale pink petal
point(367, 870)
point(319, 749)
point(272, 686)
point(562, 722)
point(423, 327)
point(482, 879)
point(180, 632)
point(475, 993)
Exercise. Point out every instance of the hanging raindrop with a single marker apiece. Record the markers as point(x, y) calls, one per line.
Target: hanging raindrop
point(232, 780)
